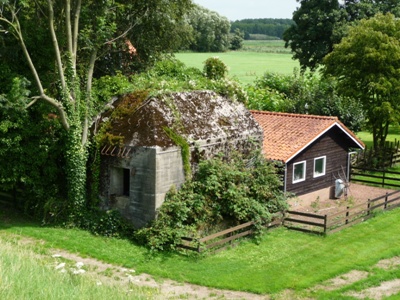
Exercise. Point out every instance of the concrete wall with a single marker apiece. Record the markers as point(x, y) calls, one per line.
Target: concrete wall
point(152, 172)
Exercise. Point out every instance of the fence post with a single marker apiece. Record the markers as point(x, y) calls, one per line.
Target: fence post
point(347, 214)
point(383, 177)
point(325, 223)
point(386, 201)
point(368, 207)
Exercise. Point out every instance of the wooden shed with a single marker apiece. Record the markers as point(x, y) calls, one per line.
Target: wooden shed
point(315, 150)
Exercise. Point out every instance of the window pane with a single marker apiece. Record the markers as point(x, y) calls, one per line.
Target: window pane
point(298, 172)
point(319, 166)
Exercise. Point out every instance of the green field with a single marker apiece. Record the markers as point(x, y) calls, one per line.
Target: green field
point(268, 46)
point(243, 65)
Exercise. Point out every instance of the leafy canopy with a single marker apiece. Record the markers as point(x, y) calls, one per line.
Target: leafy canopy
point(319, 24)
point(366, 65)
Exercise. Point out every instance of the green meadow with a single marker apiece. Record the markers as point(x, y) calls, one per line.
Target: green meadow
point(246, 66)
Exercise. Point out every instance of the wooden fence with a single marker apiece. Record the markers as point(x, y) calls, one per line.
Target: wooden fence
point(386, 158)
point(223, 239)
point(373, 176)
point(300, 221)
point(326, 224)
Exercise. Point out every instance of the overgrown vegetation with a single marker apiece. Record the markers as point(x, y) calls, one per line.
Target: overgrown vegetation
point(304, 94)
point(230, 190)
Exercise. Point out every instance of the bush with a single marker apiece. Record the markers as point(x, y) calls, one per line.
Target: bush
point(235, 191)
point(214, 68)
point(304, 94)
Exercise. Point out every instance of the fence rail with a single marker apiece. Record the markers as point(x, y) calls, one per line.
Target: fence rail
point(361, 175)
point(220, 240)
point(300, 221)
point(305, 222)
point(327, 224)
point(388, 156)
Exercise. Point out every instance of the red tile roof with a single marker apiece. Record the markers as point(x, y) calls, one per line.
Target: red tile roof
point(285, 135)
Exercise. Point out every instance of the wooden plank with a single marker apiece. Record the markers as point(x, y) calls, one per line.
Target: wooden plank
point(303, 222)
point(349, 218)
point(224, 232)
point(355, 207)
point(228, 239)
point(298, 213)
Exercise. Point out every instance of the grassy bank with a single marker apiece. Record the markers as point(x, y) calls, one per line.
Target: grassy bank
point(283, 259)
point(26, 273)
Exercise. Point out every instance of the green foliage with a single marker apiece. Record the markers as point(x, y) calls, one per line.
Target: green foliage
point(107, 87)
point(235, 191)
point(310, 38)
point(262, 27)
point(266, 98)
point(210, 30)
point(304, 94)
point(214, 68)
point(237, 40)
point(320, 24)
point(185, 150)
point(372, 42)
point(108, 223)
point(30, 155)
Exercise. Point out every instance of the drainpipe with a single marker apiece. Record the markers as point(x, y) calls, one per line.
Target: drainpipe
point(349, 163)
point(284, 178)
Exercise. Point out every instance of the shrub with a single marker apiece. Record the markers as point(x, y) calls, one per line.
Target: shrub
point(214, 68)
point(305, 94)
point(236, 190)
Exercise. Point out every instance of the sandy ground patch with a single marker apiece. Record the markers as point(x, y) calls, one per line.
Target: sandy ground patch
point(386, 289)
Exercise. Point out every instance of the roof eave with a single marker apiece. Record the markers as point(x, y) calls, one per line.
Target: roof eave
point(356, 141)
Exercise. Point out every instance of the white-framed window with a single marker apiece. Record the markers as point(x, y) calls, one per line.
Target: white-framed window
point(299, 171)
point(319, 166)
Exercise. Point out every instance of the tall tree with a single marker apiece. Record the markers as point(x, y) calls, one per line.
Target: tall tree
point(310, 38)
point(367, 66)
point(210, 30)
point(319, 24)
point(76, 35)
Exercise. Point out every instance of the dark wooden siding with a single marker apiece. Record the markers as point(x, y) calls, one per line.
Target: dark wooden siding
point(334, 145)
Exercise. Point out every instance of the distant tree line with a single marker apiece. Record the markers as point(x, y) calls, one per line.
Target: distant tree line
point(269, 27)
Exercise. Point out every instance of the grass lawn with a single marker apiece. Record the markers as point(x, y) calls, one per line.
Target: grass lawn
point(245, 66)
point(282, 260)
point(393, 135)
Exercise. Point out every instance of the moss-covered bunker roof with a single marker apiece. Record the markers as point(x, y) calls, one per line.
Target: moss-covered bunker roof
point(197, 116)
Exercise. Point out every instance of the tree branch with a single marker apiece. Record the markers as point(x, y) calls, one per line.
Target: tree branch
point(69, 31)
point(88, 95)
point(55, 45)
point(76, 27)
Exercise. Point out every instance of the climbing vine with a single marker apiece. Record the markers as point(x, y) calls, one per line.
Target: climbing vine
point(185, 150)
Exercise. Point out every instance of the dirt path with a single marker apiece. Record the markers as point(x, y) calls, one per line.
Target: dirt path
point(108, 274)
